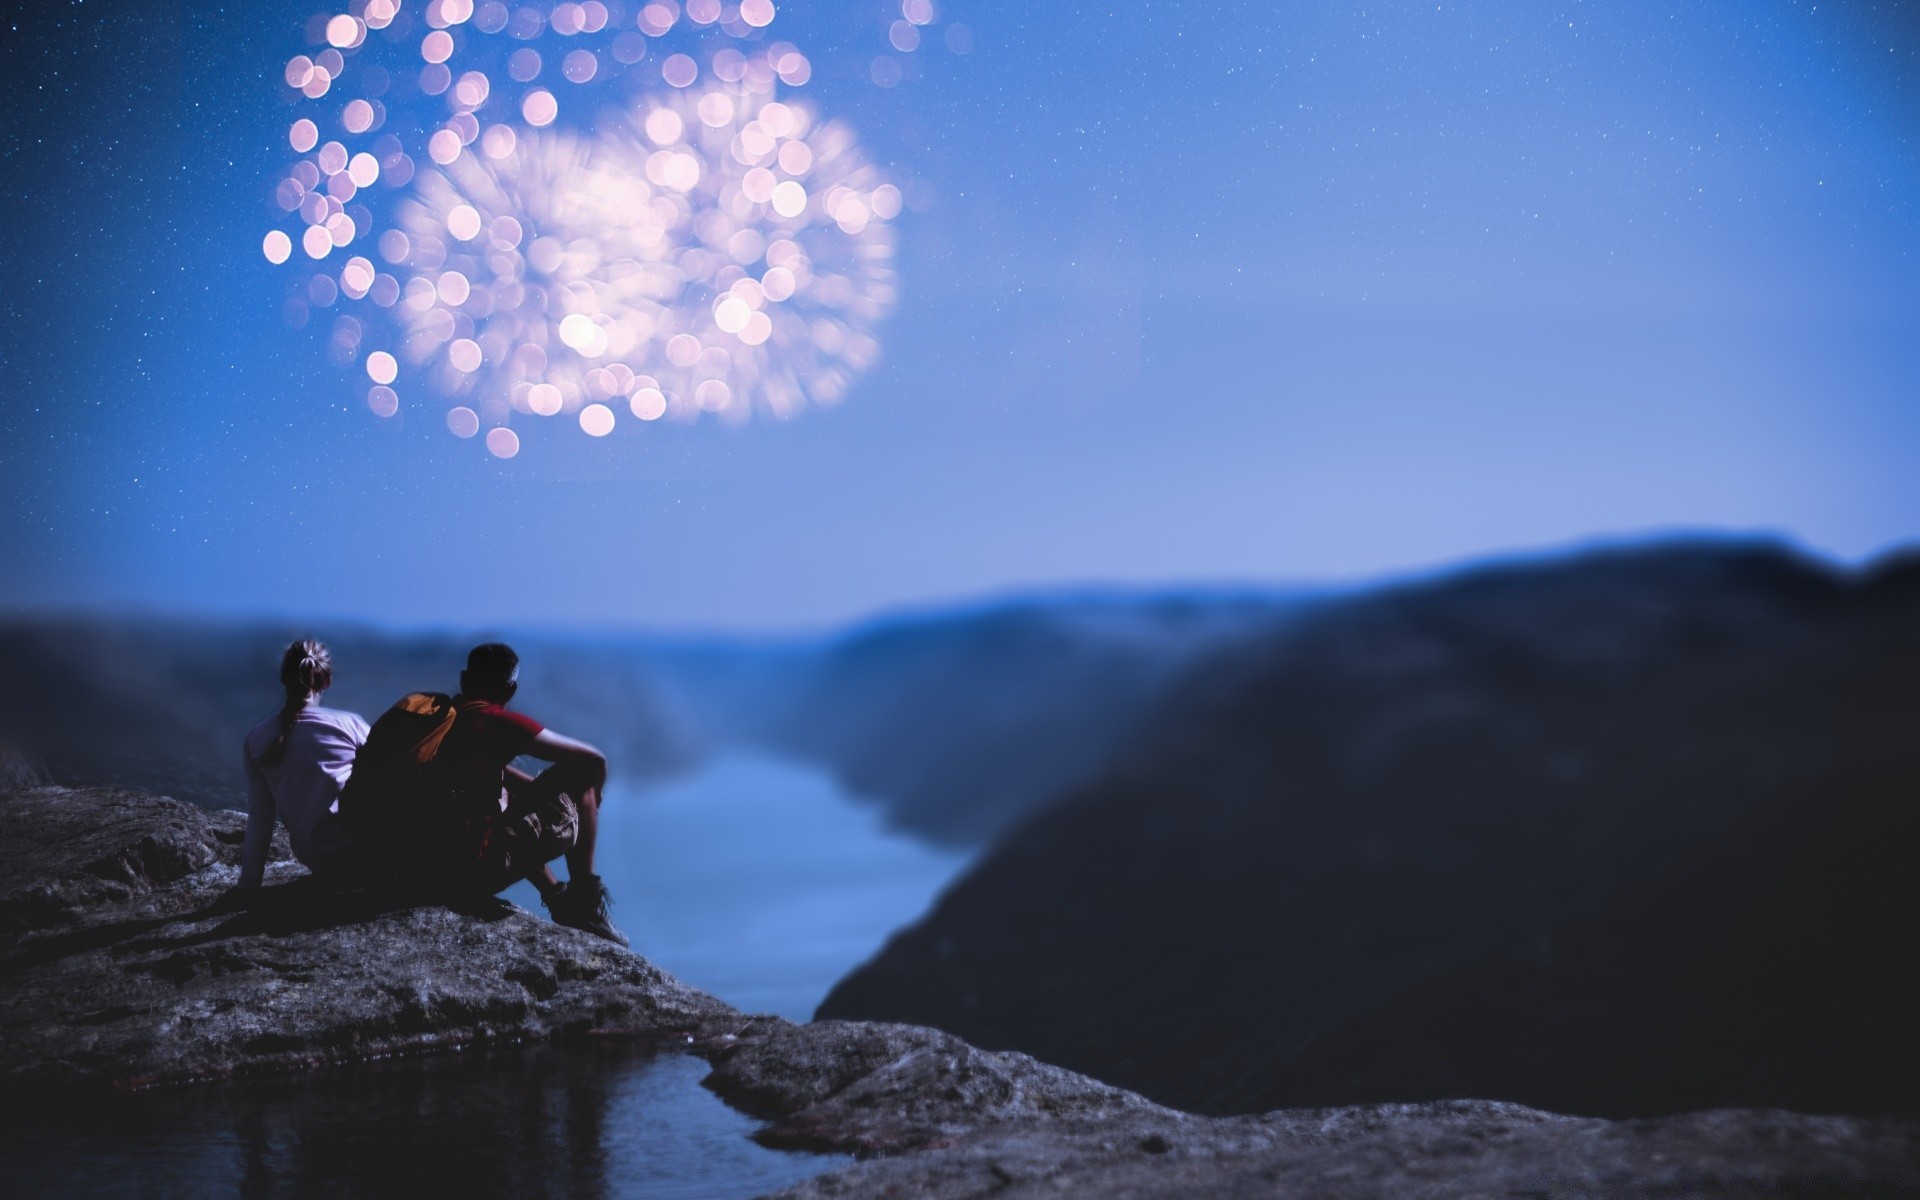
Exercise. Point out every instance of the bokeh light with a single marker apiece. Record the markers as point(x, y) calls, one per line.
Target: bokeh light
point(580, 209)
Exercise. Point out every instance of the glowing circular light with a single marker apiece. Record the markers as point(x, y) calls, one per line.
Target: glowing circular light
point(472, 90)
point(383, 400)
point(778, 120)
point(794, 69)
point(382, 367)
point(664, 126)
point(444, 146)
point(539, 108)
point(363, 169)
point(657, 19)
point(596, 420)
point(731, 314)
point(498, 141)
point(680, 70)
point(629, 48)
point(919, 12)
point(523, 65)
point(684, 243)
point(464, 222)
point(580, 66)
point(789, 198)
point(648, 404)
point(356, 278)
point(716, 109)
point(344, 32)
point(464, 355)
point(503, 442)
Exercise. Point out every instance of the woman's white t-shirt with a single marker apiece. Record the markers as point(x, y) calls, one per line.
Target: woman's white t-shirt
point(302, 788)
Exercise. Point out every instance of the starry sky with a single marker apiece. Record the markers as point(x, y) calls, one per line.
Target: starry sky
point(1243, 292)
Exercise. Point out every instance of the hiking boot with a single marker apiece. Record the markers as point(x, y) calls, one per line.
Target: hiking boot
point(583, 904)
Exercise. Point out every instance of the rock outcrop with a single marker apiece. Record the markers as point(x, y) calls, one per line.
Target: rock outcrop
point(953, 1121)
point(117, 968)
point(1619, 835)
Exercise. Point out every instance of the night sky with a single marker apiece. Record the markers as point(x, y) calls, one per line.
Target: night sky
point(1230, 292)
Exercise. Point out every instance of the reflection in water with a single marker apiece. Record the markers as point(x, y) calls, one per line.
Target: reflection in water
point(759, 880)
point(576, 1121)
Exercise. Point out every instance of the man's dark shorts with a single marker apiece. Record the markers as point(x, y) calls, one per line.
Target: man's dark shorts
point(541, 824)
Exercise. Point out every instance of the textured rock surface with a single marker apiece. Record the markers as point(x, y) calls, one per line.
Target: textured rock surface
point(951, 1120)
point(116, 966)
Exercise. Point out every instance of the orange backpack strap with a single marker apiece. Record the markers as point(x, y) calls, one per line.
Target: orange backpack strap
point(439, 713)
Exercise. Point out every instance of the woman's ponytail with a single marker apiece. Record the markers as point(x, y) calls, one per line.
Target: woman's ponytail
point(305, 668)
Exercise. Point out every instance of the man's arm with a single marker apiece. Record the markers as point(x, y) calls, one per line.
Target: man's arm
point(559, 748)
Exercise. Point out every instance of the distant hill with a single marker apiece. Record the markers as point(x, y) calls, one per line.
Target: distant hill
point(959, 722)
point(1625, 833)
point(162, 704)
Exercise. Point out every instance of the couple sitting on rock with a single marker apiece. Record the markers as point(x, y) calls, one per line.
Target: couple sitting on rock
point(427, 798)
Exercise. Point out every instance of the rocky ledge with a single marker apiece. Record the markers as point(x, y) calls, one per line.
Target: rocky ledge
point(118, 969)
point(118, 966)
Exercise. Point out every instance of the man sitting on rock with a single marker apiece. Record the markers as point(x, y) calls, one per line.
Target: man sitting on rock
point(435, 783)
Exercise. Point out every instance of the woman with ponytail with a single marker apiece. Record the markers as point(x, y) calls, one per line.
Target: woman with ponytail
point(297, 761)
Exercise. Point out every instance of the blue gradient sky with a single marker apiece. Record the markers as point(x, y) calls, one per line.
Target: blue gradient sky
point(1247, 291)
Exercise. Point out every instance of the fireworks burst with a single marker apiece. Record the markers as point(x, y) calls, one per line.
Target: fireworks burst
point(600, 235)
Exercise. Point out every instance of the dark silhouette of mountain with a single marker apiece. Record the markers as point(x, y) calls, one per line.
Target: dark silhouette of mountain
point(1622, 834)
point(163, 704)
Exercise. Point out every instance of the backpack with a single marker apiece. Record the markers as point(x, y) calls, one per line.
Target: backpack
point(398, 785)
